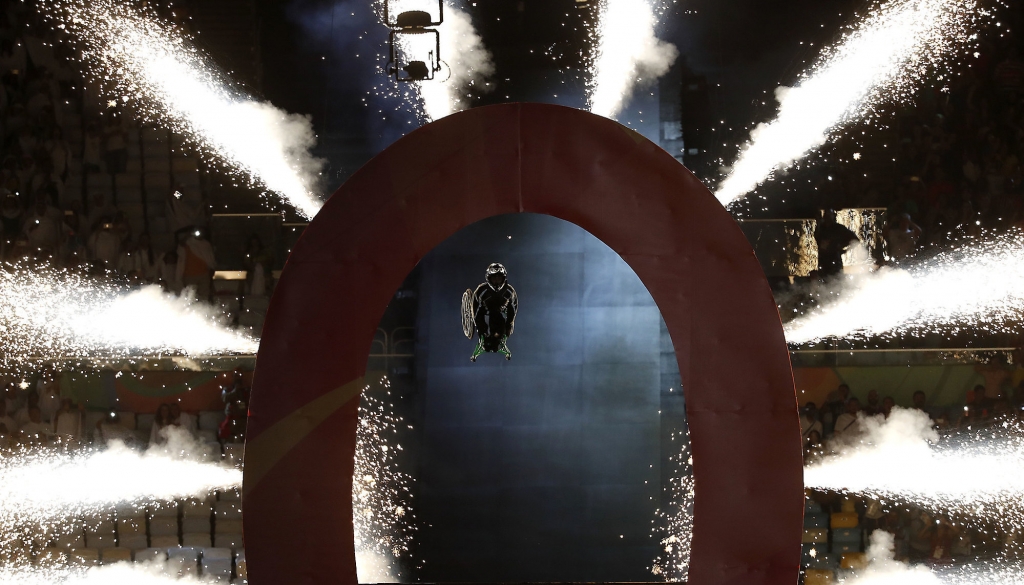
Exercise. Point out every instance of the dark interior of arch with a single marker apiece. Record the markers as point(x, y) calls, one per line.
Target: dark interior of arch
point(550, 467)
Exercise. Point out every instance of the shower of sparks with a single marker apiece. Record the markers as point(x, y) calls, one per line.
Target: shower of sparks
point(881, 59)
point(381, 515)
point(979, 286)
point(627, 53)
point(675, 526)
point(140, 59)
point(60, 315)
point(975, 475)
point(116, 574)
point(46, 491)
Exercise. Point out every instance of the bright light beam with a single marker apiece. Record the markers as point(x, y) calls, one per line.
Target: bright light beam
point(174, 84)
point(881, 59)
point(977, 287)
point(57, 314)
point(628, 53)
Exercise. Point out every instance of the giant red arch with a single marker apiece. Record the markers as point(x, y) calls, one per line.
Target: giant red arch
point(688, 251)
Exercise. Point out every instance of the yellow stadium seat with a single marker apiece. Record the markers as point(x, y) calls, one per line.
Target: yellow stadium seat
point(115, 555)
point(849, 505)
point(818, 577)
point(845, 520)
point(856, 561)
point(815, 535)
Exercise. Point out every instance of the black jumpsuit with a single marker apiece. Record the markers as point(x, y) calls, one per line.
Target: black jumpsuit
point(495, 314)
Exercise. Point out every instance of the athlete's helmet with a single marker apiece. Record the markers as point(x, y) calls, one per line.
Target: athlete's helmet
point(496, 276)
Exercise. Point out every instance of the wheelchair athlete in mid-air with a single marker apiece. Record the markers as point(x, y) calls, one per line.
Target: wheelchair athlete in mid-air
point(490, 313)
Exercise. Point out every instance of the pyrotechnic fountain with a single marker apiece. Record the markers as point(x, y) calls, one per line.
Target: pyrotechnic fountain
point(881, 59)
point(977, 285)
point(627, 52)
point(146, 62)
point(970, 476)
point(57, 315)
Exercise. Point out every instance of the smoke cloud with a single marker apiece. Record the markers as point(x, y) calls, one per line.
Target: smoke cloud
point(884, 569)
point(469, 63)
point(57, 314)
point(980, 284)
point(973, 474)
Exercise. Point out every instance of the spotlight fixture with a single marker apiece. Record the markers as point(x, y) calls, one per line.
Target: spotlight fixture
point(415, 52)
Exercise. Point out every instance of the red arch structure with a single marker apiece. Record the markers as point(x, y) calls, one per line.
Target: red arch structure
point(605, 178)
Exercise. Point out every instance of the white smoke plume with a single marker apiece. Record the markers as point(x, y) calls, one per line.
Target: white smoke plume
point(150, 573)
point(883, 58)
point(143, 60)
point(980, 285)
point(628, 54)
point(61, 315)
point(972, 475)
point(45, 488)
point(468, 62)
point(884, 569)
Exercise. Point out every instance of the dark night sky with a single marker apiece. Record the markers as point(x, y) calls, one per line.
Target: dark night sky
point(327, 69)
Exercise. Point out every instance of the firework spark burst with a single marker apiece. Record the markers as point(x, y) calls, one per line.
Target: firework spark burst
point(57, 315)
point(627, 53)
point(381, 514)
point(45, 492)
point(116, 574)
point(882, 59)
point(975, 475)
point(141, 59)
point(979, 286)
point(674, 526)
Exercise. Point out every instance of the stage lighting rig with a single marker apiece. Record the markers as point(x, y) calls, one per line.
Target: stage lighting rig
point(415, 48)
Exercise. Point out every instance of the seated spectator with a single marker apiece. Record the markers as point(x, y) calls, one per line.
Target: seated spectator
point(115, 146)
point(161, 421)
point(833, 240)
point(109, 428)
point(139, 260)
point(105, 245)
point(901, 237)
point(981, 403)
point(48, 388)
point(67, 423)
point(92, 149)
point(31, 401)
point(920, 401)
point(812, 447)
point(835, 405)
point(847, 423)
point(43, 224)
point(100, 212)
point(809, 420)
point(257, 263)
point(196, 263)
point(6, 420)
point(35, 428)
point(183, 419)
point(167, 272)
point(872, 407)
point(11, 215)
